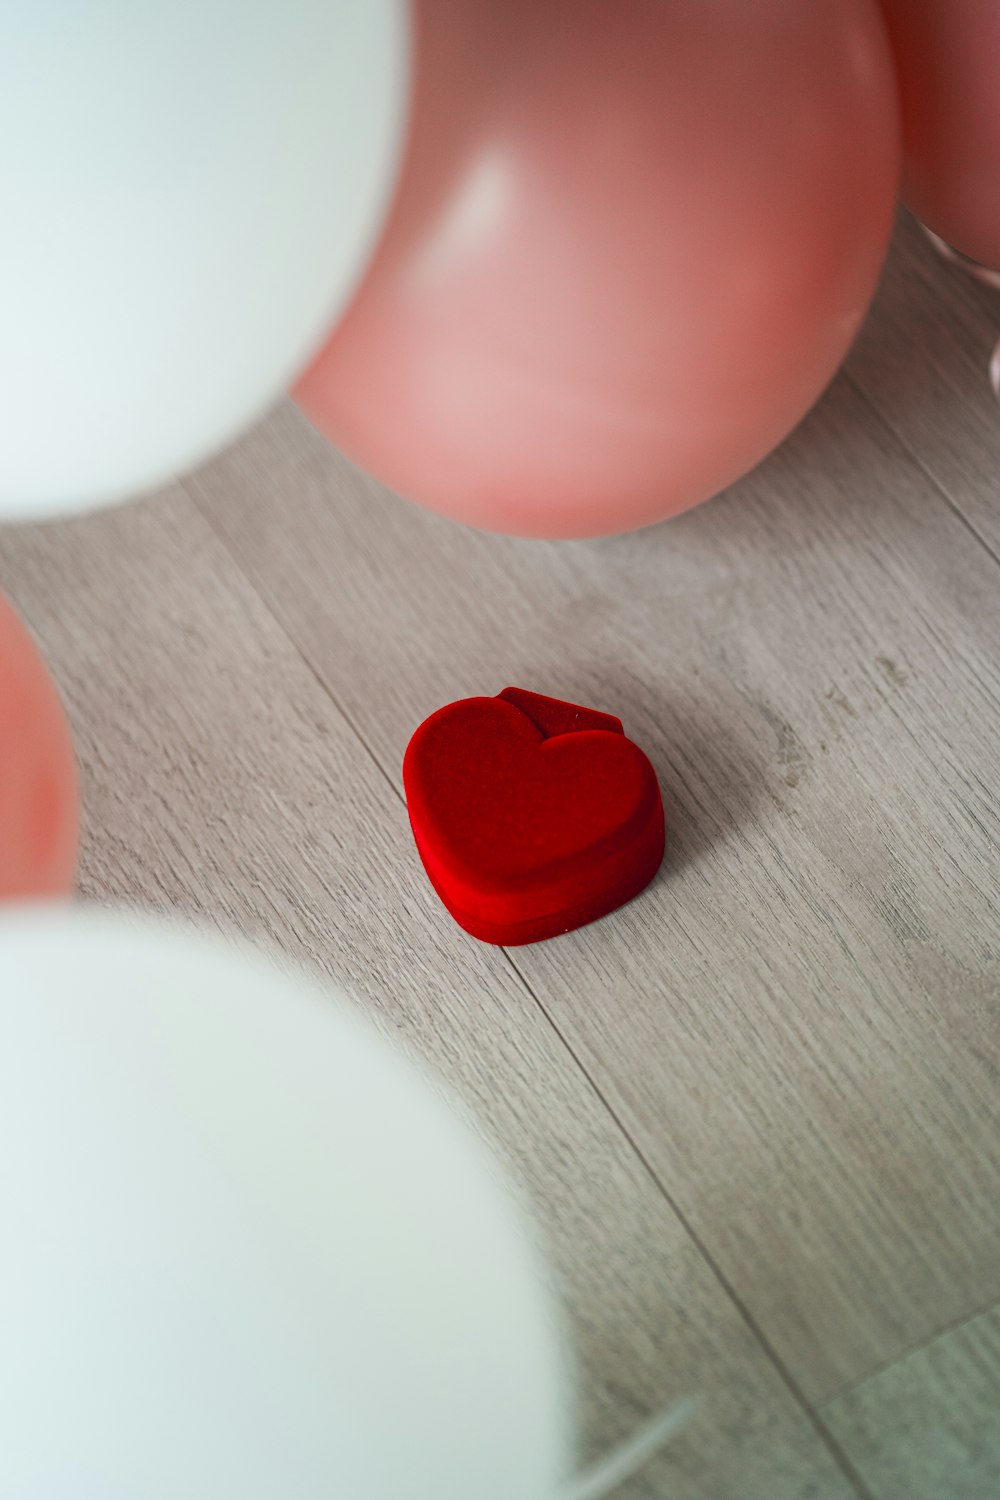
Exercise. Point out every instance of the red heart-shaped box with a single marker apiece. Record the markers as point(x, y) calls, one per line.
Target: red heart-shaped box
point(532, 816)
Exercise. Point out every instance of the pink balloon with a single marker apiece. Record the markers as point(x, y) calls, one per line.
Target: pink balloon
point(632, 241)
point(948, 53)
point(38, 798)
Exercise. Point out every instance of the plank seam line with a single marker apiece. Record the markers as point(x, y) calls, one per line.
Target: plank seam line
point(944, 1331)
point(827, 1438)
point(920, 463)
point(314, 672)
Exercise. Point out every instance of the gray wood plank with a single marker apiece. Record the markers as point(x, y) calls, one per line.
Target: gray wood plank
point(928, 1428)
point(220, 779)
point(922, 359)
point(797, 1022)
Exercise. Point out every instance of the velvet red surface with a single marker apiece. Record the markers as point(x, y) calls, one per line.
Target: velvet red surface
point(532, 816)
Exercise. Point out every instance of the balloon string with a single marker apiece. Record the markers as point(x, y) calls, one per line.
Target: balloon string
point(622, 1462)
point(982, 273)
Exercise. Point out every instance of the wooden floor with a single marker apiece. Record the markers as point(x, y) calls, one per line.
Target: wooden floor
point(759, 1109)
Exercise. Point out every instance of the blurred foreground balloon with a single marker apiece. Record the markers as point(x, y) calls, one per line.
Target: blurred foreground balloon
point(948, 54)
point(630, 246)
point(38, 799)
point(247, 1251)
point(189, 194)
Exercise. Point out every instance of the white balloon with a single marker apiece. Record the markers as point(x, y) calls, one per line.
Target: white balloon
point(246, 1251)
point(189, 190)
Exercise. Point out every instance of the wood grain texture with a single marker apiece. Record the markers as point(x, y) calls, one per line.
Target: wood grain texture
point(928, 1427)
point(922, 360)
point(220, 779)
point(797, 1022)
